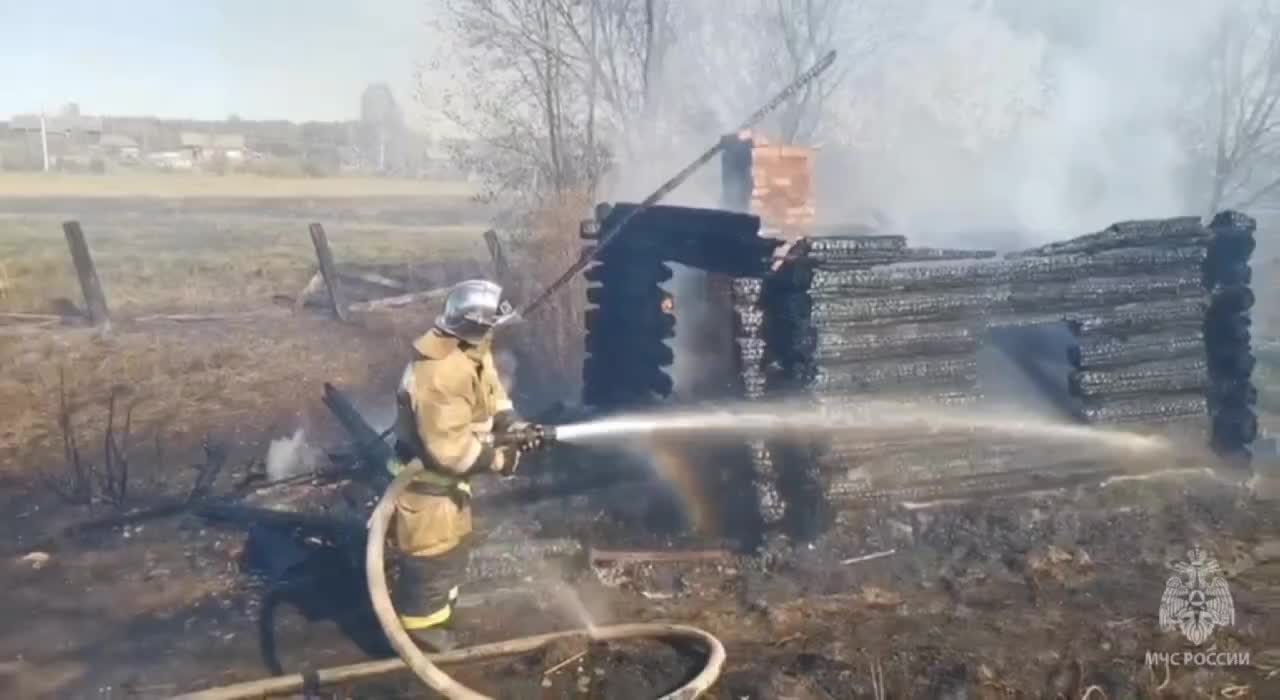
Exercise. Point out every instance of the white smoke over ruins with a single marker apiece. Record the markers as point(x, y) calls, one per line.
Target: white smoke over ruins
point(945, 116)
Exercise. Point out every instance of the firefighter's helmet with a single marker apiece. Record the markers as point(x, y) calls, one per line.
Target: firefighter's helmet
point(472, 309)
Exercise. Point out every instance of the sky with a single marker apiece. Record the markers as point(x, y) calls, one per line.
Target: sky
point(206, 59)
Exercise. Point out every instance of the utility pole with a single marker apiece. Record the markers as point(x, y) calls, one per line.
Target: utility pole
point(44, 141)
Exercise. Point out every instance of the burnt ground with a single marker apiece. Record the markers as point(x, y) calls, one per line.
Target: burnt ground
point(1031, 596)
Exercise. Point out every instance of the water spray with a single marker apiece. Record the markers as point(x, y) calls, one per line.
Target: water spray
point(759, 420)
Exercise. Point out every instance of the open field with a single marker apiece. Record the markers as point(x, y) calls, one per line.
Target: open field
point(202, 262)
point(200, 243)
point(193, 185)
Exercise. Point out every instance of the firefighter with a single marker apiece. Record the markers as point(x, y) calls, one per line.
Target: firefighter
point(450, 401)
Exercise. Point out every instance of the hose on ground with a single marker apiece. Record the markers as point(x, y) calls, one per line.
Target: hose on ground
point(425, 666)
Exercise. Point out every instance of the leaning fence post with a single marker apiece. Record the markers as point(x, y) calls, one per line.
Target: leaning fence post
point(95, 301)
point(328, 271)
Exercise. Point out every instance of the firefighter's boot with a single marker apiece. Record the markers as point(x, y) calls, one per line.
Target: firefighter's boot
point(434, 639)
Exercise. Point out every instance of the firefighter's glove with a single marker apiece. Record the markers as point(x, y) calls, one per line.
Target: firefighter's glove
point(505, 461)
point(507, 424)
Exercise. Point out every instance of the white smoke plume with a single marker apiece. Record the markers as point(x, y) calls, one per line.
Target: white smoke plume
point(291, 456)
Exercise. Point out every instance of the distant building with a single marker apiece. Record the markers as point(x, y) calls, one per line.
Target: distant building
point(120, 146)
point(171, 160)
point(72, 129)
point(203, 146)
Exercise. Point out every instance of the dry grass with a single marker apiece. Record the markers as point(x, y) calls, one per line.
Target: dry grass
point(180, 380)
point(192, 264)
point(208, 186)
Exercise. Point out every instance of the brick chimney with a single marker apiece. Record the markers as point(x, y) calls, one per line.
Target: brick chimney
point(772, 182)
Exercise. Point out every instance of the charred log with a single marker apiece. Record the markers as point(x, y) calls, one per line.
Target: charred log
point(1138, 319)
point(1106, 292)
point(910, 307)
point(1146, 410)
point(1168, 233)
point(1048, 269)
point(864, 376)
point(1107, 352)
point(847, 246)
point(1144, 379)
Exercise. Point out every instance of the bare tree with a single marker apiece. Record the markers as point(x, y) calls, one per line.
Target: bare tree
point(1241, 125)
point(802, 31)
point(542, 85)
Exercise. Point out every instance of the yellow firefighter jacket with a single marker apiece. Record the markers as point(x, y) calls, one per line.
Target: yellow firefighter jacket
point(446, 402)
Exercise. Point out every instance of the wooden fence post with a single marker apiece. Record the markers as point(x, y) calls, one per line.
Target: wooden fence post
point(95, 301)
point(496, 254)
point(328, 270)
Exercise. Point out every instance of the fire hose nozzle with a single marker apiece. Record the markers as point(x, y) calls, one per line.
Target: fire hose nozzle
point(526, 438)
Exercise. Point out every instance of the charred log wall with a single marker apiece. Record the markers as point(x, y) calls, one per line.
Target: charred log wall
point(631, 320)
point(627, 326)
point(1154, 314)
point(1146, 324)
point(1231, 395)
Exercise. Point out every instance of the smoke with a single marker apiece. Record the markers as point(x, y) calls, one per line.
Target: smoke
point(508, 367)
point(953, 120)
point(291, 456)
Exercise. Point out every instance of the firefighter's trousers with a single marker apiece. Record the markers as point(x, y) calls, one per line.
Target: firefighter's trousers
point(432, 535)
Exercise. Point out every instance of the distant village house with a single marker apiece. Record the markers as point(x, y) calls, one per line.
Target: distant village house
point(120, 146)
point(203, 147)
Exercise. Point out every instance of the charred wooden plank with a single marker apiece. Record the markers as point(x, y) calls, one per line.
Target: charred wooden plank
point(1106, 292)
point(876, 258)
point(1166, 233)
point(1146, 410)
point(1067, 298)
point(374, 452)
point(831, 246)
point(1165, 377)
point(1109, 352)
point(909, 277)
point(881, 374)
point(1137, 319)
point(910, 307)
point(909, 341)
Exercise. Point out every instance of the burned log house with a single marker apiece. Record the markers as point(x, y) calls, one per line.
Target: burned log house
point(1144, 324)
